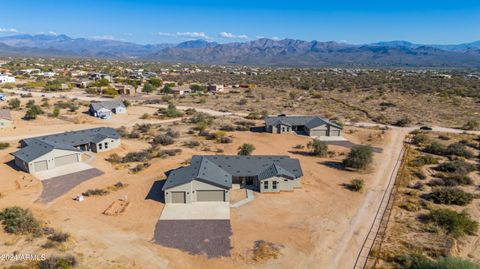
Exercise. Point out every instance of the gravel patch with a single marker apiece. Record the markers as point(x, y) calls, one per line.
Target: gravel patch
point(211, 237)
point(58, 186)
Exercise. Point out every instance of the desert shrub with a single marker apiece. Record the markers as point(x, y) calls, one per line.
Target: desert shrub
point(459, 149)
point(299, 146)
point(227, 128)
point(359, 157)
point(246, 149)
point(171, 111)
point(140, 156)
point(451, 180)
point(18, 220)
point(33, 112)
point(424, 160)
point(420, 174)
point(225, 140)
point(469, 144)
point(95, 192)
point(139, 167)
point(122, 131)
point(192, 144)
point(450, 196)
point(418, 261)
point(444, 137)
point(4, 145)
point(318, 148)
point(435, 148)
point(471, 125)
point(403, 122)
point(411, 261)
point(134, 134)
point(14, 103)
point(356, 185)
point(457, 167)
point(263, 251)
point(59, 237)
point(167, 152)
point(55, 262)
point(201, 117)
point(453, 223)
point(410, 206)
point(114, 158)
point(172, 133)
point(420, 139)
point(163, 140)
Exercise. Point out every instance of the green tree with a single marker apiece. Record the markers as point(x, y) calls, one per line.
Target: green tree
point(359, 157)
point(148, 88)
point(246, 149)
point(156, 82)
point(167, 88)
point(318, 148)
point(56, 112)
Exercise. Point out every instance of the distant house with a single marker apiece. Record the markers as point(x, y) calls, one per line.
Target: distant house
point(81, 84)
point(125, 89)
point(51, 151)
point(98, 76)
point(3, 97)
point(315, 126)
point(5, 118)
point(49, 74)
point(210, 178)
point(106, 108)
point(6, 79)
point(181, 90)
point(214, 88)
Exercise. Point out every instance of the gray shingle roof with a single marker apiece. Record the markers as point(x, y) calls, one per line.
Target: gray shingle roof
point(309, 121)
point(5, 114)
point(220, 169)
point(110, 105)
point(38, 146)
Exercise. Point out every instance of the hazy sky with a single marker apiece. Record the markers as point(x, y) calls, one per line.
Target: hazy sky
point(353, 21)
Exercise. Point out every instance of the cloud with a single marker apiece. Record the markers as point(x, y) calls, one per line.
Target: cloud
point(232, 36)
point(8, 30)
point(185, 34)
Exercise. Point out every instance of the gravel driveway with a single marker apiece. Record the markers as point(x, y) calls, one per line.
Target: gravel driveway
point(58, 186)
point(211, 237)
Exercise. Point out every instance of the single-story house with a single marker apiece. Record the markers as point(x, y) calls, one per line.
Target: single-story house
point(315, 126)
point(106, 108)
point(6, 79)
point(210, 178)
point(5, 118)
point(215, 88)
point(50, 151)
point(125, 89)
point(181, 90)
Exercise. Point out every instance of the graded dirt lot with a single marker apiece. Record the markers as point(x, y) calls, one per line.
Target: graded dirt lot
point(318, 225)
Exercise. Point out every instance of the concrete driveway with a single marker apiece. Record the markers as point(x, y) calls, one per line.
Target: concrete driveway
point(62, 170)
point(197, 211)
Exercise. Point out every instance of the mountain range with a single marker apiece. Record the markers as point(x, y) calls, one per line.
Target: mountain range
point(266, 52)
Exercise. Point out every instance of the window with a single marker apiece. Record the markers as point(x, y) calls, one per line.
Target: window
point(100, 146)
point(106, 145)
point(274, 185)
point(265, 184)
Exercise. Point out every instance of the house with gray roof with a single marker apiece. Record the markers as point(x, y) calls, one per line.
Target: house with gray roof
point(5, 118)
point(210, 178)
point(51, 151)
point(314, 126)
point(107, 108)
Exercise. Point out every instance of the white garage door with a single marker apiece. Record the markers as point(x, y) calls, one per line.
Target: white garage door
point(178, 197)
point(334, 132)
point(211, 196)
point(67, 159)
point(318, 132)
point(40, 166)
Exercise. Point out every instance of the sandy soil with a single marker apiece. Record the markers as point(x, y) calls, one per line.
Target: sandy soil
point(312, 223)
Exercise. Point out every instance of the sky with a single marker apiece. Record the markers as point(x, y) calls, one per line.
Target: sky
point(151, 22)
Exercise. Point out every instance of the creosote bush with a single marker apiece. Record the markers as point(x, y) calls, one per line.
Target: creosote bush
point(450, 196)
point(453, 223)
point(359, 157)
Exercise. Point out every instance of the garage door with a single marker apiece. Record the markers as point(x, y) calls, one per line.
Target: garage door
point(178, 197)
point(40, 166)
point(318, 132)
point(211, 196)
point(334, 132)
point(67, 159)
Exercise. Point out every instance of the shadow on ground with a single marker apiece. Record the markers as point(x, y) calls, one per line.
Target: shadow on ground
point(156, 193)
point(333, 164)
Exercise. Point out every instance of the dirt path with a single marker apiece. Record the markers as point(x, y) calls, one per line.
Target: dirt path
point(345, 250)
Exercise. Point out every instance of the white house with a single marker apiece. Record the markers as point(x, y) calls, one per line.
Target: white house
point(6, 79)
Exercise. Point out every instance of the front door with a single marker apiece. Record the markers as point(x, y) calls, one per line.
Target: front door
point(249, 181)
